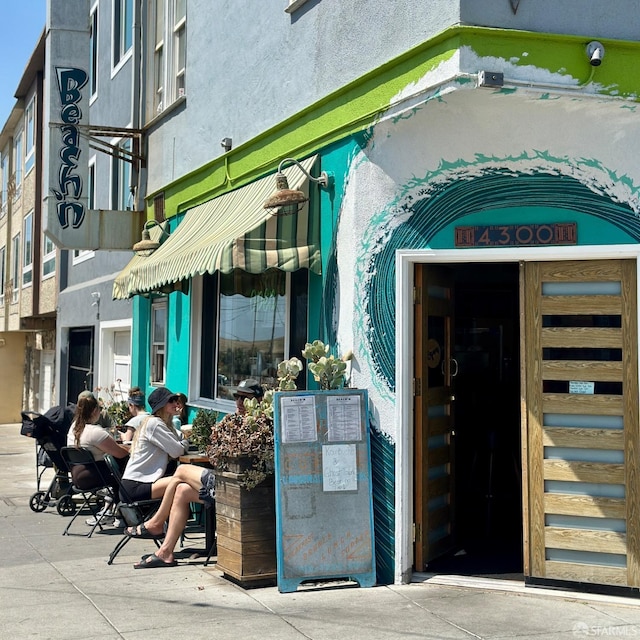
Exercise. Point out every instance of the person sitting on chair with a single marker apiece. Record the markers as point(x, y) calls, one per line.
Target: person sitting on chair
point(155, 442)
point(87, 433)
point(135, 402)
point(189, 483)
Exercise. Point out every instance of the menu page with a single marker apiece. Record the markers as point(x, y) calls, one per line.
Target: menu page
point(298, 419)
point(343, 418)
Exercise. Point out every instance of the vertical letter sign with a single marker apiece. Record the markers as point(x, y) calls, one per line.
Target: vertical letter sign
point(324, 514)
point(66, 144)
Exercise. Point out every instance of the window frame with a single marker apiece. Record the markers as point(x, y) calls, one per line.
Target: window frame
point(122, 32)
point(3, 272)
point(205, 329)
point(4, 193)
point(18, 160)
point(48, 258)
point(15, 268)
point(158, 347)
point(167, 47)
point(80, 255)
point(30, 135)
point(27, 250)
point(120, 177)
point(93, 52)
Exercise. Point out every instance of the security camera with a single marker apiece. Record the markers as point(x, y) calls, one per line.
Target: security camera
point(226, 143)
point(595, 53)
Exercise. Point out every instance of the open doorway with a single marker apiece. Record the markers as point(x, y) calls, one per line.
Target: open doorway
point(486, 477)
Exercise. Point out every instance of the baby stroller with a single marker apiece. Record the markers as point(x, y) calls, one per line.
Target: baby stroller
point(50, 433)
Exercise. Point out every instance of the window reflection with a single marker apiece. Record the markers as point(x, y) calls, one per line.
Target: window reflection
point(251, 326)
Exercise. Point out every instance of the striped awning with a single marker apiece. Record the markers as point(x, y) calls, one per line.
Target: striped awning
point(232, 231)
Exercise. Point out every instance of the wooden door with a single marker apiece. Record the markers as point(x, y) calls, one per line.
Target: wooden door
point(433, 398)
point(580, 422)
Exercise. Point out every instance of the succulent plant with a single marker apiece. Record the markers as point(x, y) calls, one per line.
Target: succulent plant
point(327, 370)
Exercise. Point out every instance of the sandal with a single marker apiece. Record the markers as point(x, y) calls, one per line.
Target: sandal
point(133, 532)
point(153, 562)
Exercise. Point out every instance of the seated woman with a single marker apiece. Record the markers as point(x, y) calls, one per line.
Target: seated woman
point(86, 432)
point(155, 442)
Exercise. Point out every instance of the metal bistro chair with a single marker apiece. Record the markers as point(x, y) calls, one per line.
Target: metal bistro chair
point(133, 512)
point(93, 486)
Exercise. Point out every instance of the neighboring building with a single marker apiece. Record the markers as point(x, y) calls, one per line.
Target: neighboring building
point(28, 283)
point(94, 331)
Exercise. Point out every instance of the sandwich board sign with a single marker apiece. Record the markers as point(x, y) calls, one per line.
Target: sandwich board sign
point(324, 512)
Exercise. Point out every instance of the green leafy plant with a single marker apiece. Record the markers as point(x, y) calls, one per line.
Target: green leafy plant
point(328, 370)
point(201, 428)
point(113, 403)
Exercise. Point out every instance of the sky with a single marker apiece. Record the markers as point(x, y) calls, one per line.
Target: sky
point(21, 24)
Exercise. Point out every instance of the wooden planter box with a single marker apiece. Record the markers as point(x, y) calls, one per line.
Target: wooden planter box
point(246, 530)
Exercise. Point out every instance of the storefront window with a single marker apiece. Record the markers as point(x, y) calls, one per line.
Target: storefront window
point(258, 320)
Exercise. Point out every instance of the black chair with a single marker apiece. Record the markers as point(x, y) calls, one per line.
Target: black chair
point(91, 480)
point(133, 512)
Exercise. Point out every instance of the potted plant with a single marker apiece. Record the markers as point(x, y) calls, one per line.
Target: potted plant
point(201, 428)
point(241, 450)
point(328, 370)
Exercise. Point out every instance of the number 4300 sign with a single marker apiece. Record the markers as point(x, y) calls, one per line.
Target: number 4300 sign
point(516, 235)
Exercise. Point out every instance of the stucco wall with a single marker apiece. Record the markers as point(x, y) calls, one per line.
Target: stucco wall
point(12, 349)
point(469, 143)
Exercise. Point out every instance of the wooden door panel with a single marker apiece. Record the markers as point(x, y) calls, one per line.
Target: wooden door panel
point(581, 423)
point(433, 315)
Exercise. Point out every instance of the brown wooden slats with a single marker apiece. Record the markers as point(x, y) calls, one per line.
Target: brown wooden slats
point(438, 487)
point(580, 271)
point(533, 325)
point(439, 425)
point(572, 403)
point(596, 540)
point(591, 573)
point(581, 337)
point(582, 370)
point(439, 307)
point(631, 418)
point(439, 517)
point(569, 504)
point(583, 438)
point(584, 471)
point(439, 456)
point(581, 305)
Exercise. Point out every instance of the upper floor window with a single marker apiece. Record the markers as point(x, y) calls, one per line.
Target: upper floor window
point(48, 257)
point(17, 158)
point(3, 255)
point(168, 50)
point(249, 324)
point(30, 135)
point(158, 341)
point(121, 172)
point(93, 51)
point(15, 268)
point(122, 29)
point(27, 250)
point(4, 168)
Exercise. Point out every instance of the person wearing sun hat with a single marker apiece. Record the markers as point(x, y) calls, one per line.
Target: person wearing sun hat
point(245, 390)
point(154, 444)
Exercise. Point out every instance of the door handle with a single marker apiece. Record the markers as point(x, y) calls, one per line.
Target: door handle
point(454, 372)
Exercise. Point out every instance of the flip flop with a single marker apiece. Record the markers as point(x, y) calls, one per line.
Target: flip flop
point(132, 532)
point(153, 562)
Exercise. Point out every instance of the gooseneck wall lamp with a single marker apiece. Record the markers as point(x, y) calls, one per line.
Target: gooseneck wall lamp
point(147, 246)
point(285, 201)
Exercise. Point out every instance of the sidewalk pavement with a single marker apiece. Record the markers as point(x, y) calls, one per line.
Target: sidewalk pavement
point(60, 587)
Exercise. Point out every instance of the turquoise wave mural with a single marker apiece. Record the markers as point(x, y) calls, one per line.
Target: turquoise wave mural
point(427, 208)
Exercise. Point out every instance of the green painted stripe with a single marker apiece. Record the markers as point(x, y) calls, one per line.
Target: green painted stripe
point(359, 104)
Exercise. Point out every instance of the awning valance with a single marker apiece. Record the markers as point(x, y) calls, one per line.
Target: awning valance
point(232, 231)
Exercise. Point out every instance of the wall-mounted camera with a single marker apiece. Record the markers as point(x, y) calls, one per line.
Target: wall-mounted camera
point(595, 53)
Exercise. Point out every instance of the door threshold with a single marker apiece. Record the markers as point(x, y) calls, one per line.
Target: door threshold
point(516, 585)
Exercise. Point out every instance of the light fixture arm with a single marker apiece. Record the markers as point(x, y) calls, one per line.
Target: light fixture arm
point(322, 179)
